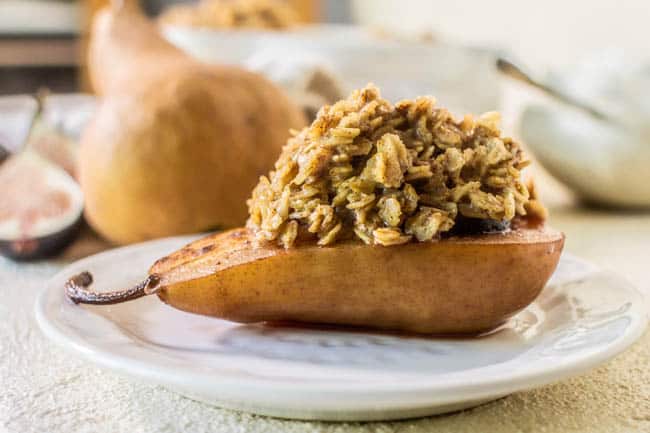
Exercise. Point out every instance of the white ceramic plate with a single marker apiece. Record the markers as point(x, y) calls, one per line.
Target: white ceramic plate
point(583, 318)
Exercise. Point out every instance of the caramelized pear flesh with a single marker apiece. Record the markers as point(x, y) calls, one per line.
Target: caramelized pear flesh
point(454, 286)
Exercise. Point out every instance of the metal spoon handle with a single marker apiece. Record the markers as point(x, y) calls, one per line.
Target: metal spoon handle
point(516, 73)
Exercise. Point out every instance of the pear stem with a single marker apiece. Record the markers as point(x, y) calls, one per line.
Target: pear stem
point(77, 290)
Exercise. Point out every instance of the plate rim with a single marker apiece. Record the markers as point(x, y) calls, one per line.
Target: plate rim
point(429, 392)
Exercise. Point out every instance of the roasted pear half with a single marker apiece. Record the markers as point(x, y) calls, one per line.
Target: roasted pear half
point(374, 216)
point(457, 285)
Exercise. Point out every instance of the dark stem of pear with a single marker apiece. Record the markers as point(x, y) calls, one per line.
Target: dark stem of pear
point(78, 291)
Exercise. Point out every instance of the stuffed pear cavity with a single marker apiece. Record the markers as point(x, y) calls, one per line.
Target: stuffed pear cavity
point(394, 217)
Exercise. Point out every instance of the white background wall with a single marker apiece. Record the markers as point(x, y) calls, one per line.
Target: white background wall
point(541, 32)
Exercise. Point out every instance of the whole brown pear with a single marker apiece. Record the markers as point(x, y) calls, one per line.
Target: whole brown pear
point(176, 145)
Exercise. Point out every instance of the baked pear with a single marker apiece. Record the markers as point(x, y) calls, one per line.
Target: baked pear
point(459, 285)
point(395, 217)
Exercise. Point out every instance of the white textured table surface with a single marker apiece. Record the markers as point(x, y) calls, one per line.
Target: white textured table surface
point(44, 389)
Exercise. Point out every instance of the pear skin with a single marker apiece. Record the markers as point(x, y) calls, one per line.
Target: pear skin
point(458, 285)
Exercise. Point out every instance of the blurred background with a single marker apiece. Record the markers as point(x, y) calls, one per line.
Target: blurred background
point(574, 88)
point(40, 40)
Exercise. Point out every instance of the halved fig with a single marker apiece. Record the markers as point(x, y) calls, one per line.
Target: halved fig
point(41, 207)
point(456, 285)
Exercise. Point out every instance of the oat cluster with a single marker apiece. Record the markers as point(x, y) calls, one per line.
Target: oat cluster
point(233, 14)
point(388, 174)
